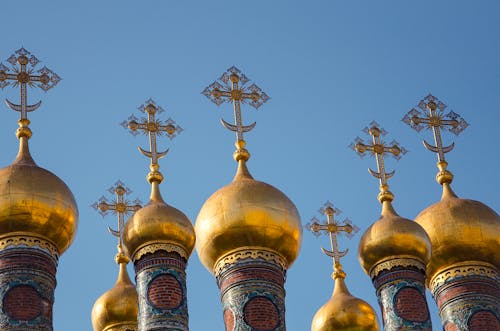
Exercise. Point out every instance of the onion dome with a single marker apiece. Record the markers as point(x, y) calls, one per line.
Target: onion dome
point(393, 236)
point(460, 229)
point(158, 223)
point(117, 308)
point(34, 202)
point(247, 214)
point(344, 311)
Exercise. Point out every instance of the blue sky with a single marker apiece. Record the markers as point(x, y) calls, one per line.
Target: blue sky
point(330, 68)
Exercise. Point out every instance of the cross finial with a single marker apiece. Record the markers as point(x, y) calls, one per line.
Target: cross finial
point(118, 206)
point(233, 87)
point(153, 127)
point(429, 114)
point(21, 73)
point(379, 149)
point(333, 228)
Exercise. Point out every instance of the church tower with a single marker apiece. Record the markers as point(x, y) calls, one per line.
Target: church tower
point(159, 239)
point(343, 312)
point(463, 272)
point(38, 214)
point(248, 232)
point(394, 251)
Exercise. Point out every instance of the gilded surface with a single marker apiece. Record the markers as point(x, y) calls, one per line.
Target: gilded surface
point(29, 241)
point(460, 230)
point(247, 213)
point(395, 262)
point(150, 248)
point(463, 270)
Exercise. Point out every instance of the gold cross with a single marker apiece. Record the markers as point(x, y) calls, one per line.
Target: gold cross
point(436, 120)
point(153, 127)
point(228, 89)
point(379, 149)
point(333, 228)
point(23, 77)
point(118, 206)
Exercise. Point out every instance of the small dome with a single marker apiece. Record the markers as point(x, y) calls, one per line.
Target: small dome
point(118, 307)
point(158, 222)
point(393, 236)
point(460, 230)
point(35, 202)
point(247, 213)
point(345, 312)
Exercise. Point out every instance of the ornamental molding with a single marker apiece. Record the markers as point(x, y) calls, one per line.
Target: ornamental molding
point(154, 247)
point(463, 269)
point(29, 241)
point(253, 253)
point(396, 262)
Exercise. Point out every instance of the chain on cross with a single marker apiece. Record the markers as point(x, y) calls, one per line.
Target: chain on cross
point(232, 87)
point(118, 206)
point(153, 127)
point(429, 114)
point(21, 73)
point(333, 228)
point(379, 149)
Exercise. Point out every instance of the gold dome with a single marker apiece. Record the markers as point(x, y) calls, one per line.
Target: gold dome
point(35, 202)
point(460, 230)
point(247, 214)
point(158, 223)
point(119, 306)
point(344, 312)
point(393, 236)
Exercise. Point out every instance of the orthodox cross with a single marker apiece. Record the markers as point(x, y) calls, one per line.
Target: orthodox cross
point(228, 89)
point(379, 149)
point(333, 228)
point(435, 120)
point(23, 77)
point(118, 206)
point(153, 127)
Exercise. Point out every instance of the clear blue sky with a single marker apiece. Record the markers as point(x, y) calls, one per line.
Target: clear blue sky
point(330, 68)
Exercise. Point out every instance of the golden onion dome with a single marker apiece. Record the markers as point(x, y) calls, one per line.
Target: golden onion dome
point(460, 230)
point(247, 214)
point(117, 308)
point(35, 202)
point(392, 236)
point(345, 312)
point(158, 223)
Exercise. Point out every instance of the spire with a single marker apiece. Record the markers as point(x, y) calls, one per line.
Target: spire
point(429, 114)
point(153, 127)
point(20, 74)
point(379, 149)
point(120, 207)
point(233, 87)
point(333, 228)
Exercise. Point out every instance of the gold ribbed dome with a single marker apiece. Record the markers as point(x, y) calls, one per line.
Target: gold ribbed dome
point(460, 230)
point(247, 214)
point(393, 236)
point(157, 222)
point(118, 307)
point(344, 312)
point(35, 202)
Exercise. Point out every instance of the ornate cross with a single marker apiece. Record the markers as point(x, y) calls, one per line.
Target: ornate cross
point(153, 127)
point(379, 149)
point(118, 206)
point(23, 77)
point(436, 120)
point(333, 228)
point(228, 89)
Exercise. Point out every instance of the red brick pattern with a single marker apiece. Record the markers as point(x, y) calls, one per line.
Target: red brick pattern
point(22, 303)
point(411, 305)
point(261, 314)
point(229, 319)
point(252, 274)
point(471, 286)
point(484, 321)
point(165, 292)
